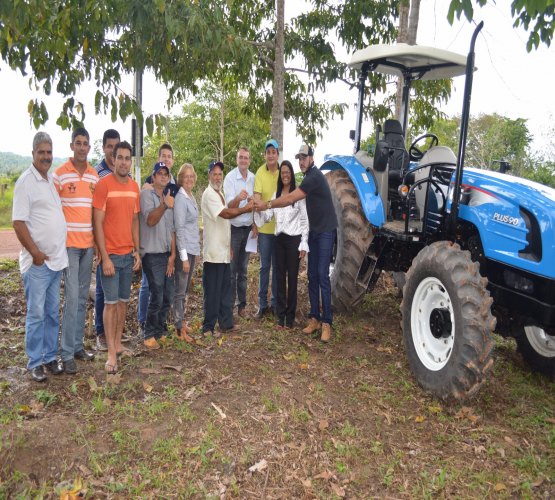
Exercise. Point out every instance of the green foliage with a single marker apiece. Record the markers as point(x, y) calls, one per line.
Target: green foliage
point(212, 127)
point(536, 16)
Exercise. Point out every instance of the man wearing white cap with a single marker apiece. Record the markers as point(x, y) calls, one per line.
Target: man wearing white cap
point(323, 224)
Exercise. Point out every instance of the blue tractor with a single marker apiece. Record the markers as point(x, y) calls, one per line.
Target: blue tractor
point(475, 248)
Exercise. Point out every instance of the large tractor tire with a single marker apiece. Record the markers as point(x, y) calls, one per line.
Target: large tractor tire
point(447, 322)
point(353, 239)
point(538, 349)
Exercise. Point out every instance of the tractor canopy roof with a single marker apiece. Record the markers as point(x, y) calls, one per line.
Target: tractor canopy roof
point(420, 62)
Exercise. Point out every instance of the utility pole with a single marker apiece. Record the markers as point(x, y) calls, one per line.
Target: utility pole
point(137, 128)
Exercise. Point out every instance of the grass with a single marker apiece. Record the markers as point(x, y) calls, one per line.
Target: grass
point(6, 206)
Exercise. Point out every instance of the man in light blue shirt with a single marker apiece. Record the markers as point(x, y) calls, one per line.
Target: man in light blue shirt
point(238, 189)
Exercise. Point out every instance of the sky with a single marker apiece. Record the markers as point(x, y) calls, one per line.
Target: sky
point(509, 81)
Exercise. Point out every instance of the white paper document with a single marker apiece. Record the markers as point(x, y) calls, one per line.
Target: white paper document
point(252, 243)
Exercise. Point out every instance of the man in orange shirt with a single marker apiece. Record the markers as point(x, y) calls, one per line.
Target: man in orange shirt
point(116, 210)
point(75, 181)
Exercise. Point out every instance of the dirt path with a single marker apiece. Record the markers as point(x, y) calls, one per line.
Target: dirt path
point(9, 244)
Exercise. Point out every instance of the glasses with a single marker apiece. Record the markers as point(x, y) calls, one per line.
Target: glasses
point(188, 176)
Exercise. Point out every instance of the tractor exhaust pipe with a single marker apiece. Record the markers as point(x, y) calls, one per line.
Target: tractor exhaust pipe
point(469, 76)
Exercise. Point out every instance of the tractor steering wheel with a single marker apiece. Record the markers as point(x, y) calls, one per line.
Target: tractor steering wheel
point(415, 154)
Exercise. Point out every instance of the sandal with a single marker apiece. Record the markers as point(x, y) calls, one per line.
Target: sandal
point(111, 369)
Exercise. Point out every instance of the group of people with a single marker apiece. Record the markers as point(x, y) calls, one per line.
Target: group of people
point(67, 218)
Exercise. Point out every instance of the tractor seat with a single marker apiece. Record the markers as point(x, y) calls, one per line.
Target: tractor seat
point(399, 159)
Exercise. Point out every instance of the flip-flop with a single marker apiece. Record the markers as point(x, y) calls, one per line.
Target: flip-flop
point(111, 369)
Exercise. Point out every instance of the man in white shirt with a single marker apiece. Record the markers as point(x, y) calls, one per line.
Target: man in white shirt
point(238, 187)
point(216, 252)
point(40, 226)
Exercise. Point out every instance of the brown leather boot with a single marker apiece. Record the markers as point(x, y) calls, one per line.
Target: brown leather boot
point(326, 332)
point(313, 325)
point(184, 335)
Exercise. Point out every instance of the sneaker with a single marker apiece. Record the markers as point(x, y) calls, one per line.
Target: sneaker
point(38, 374)
point(241, 312)
point(231, 329)
point(54, 367)
point(151, 344)
point(101, 343)
point(70, 367)
point(84, 355)
point(262, 311)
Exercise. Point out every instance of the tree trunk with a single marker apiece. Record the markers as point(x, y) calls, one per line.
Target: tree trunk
point(413, 21)
point(402, 37)
point(409, 12)
point(278, 99)
point(222, 125)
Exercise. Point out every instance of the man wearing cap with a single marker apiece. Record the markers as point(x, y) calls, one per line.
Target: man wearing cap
point(165, 155)
point(323, 224)
point(238, 187)
point(216, 252)
point(76, 181)
point(265, 187)
point(109, 139)
point(158, 252)
point(40, 226)
point(116, 208)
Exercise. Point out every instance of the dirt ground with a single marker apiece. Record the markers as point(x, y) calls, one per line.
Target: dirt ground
point(268, 414)
point(9, 244)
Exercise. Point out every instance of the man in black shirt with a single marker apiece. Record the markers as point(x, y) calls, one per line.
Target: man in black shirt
point(322, 228)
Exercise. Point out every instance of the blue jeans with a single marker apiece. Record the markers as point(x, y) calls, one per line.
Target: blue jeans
point(42, 294)
point(319, 258)
point(77, 281)
point(161, 293)
point(239, 265)
point(142, 306)
point(267, 262)
point(117, 288)
point(99, 302)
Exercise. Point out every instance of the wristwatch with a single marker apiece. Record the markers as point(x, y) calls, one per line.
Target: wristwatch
point(269, 204)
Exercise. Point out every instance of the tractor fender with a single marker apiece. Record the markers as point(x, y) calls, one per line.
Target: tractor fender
point(364, 183)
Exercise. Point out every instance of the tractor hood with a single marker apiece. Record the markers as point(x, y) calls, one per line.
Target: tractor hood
point(424, 63)
point(522, 191)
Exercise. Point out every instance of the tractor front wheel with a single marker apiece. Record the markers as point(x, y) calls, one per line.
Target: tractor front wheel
point(447, 322)
point(537, 348)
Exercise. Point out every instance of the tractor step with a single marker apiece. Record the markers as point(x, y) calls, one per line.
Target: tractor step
point(397, 227)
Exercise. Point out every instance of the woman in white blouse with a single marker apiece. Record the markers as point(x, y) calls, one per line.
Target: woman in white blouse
point(290, 246)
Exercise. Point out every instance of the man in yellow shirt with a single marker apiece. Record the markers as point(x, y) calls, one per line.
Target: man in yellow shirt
point(265, 187)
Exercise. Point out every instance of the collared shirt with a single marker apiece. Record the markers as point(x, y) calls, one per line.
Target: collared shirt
point(217, 230)
point(265, 183)
point(36, 202)
point(76, 192)
point(157, 238)
point(185, 216)
point(103, 169)
point(234, 183)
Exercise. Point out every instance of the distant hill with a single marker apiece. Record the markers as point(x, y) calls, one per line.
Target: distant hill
point(10, 163)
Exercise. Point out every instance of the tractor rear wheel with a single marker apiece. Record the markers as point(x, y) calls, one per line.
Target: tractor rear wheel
point(353, 239)
point(537, 348)
point(447, 322)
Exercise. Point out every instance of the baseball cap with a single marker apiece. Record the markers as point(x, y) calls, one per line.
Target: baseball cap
point(305, 150)
point(215, 164)
point(271, 142)
point(159, 166)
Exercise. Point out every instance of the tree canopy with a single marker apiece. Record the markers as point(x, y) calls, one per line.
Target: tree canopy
point(536, 16)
